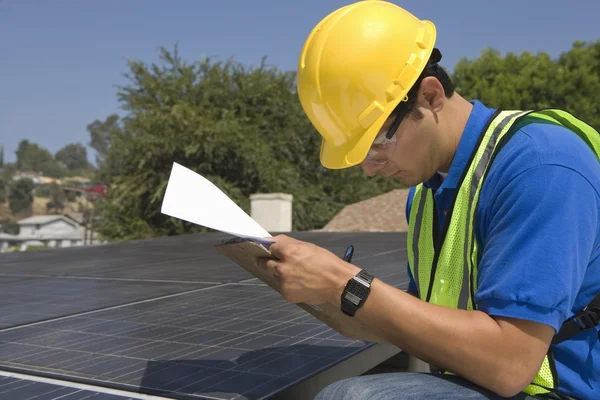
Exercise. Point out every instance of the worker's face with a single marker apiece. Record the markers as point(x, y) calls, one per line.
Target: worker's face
point(416, 155)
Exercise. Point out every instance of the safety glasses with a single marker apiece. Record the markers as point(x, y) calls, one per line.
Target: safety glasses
point(384, 145)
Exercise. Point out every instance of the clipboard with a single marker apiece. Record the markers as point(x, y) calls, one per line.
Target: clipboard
point(245, 253)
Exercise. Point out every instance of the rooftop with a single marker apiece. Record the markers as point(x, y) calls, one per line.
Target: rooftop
point(383, 213)
point(43, 219)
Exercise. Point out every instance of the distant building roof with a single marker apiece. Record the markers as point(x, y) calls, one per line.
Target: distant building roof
point(386, 212)
point(49, 180)
point(76, 216)
point(44, 219)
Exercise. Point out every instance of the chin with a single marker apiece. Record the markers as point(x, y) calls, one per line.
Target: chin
point(405, 178)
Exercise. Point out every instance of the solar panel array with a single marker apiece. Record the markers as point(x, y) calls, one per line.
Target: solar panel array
point(171, 317)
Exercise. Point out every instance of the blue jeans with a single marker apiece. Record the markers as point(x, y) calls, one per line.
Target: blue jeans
point(408, 386)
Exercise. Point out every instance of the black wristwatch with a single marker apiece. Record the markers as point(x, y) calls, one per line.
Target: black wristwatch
point(356, 292)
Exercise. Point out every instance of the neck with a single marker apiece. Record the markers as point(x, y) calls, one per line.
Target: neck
point(456, 113)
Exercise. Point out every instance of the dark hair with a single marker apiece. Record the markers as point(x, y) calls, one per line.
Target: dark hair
point(432, 69)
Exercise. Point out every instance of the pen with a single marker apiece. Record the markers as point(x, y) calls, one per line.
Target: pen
point(349, 253)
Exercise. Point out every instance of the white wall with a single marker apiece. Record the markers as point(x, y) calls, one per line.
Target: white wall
point(273, 211)
point(50, 229)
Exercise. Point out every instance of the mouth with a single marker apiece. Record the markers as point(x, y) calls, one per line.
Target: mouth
point(393, 174)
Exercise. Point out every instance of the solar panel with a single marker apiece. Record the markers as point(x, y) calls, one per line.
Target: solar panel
point(38, 299)
point(17, 388)
point(190, 258)
point(218, 341)
point(217, 333)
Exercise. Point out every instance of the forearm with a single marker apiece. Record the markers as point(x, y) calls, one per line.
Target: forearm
point(468, 343)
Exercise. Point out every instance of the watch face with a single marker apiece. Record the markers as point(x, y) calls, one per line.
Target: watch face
point(361, 289)
point(352, 298)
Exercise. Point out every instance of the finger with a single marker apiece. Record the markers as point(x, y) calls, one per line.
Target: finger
point(281, 238)
point(272, 264)
point(275, 268)
point(281, 244)
point(276, 249)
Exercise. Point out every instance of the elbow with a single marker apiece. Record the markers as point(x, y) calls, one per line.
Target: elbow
point(512, 380)
point(507, 389)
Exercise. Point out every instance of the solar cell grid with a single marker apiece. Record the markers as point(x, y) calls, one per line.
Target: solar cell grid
point(12, 388)
point(232, 338)
point(218, 333)
point(30, 300)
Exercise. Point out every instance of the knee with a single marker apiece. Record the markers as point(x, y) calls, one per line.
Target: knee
point(345, 389)
point(382, 387)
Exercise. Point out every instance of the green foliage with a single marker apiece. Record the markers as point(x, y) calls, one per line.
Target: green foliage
point(240, 127)
point(21, 196)
point(73, 156)
point(36, 248)
point(31, 157)
point(527, 81)
point(9, 226)
point(101, 135)
point(3, 189)
point(8, 171)
point(72, 196)
point(57, 199)
point(243, 129)
point(43, 191)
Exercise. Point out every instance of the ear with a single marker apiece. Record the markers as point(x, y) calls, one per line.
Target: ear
point(431, 94)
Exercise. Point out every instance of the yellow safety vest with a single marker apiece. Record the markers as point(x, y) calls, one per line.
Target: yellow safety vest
point(445, 270)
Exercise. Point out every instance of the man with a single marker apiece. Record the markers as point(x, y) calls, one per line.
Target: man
point(503, 216)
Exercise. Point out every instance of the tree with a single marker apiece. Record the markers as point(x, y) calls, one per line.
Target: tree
point(242, 128)
point(9, 226)
point(21, 196)
point(3, 189)
point(1, 156)
point(527, 81)
point(57, 199)
point(73, 156)
point(72, 196)
point(101, 136)
point(31, 157)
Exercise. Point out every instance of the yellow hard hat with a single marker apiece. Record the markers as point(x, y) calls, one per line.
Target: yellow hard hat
point(356, 66)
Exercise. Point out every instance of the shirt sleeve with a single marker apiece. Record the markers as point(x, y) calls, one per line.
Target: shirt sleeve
point(538, 233)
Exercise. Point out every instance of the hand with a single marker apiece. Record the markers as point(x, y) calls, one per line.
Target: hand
point(306, 272)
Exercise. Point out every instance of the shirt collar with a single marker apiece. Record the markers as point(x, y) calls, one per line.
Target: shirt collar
point(480, 114)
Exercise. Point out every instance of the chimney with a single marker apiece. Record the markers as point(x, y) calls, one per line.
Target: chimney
point(273, 211)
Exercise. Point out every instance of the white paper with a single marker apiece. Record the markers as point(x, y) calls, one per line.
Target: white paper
point(193, 198)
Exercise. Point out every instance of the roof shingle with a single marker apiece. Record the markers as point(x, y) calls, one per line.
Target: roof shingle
point(382, 213)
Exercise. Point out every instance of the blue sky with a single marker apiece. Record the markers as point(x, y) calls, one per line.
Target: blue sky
point(60, 60)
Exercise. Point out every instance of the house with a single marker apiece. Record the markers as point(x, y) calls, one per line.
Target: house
point(46, 231)
point(35, 177)
point(46, 180)
point(97, 190)
point(383, 213)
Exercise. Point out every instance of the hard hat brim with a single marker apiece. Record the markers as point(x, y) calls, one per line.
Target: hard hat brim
point(340, 157)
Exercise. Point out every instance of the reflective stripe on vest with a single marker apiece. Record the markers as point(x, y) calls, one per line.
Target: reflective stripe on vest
point(445, 269)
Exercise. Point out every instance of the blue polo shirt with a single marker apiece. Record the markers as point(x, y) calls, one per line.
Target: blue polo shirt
point(537, 225)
